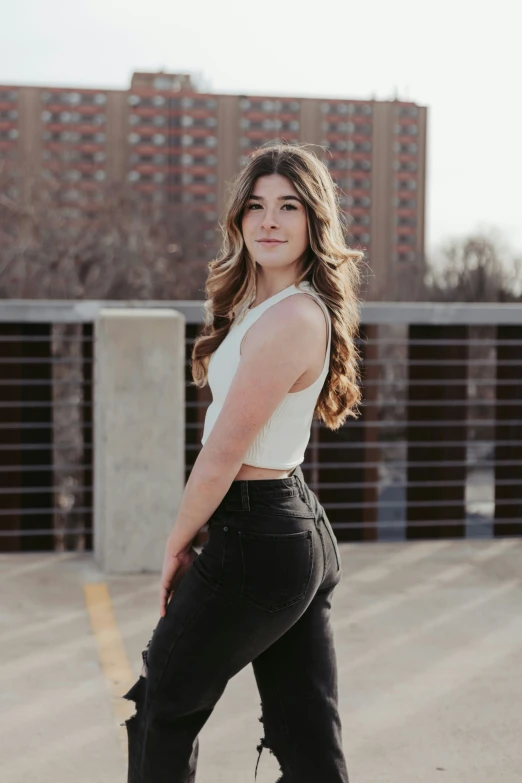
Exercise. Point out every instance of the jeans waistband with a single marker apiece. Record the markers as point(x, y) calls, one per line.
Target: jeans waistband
point(246, 490)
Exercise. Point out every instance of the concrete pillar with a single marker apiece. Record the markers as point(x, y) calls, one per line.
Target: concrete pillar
point(139, 435)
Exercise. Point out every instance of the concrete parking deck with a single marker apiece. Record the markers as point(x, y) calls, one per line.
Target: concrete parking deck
point(429, 641)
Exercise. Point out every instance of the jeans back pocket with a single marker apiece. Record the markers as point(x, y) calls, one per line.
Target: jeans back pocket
point(277, 567)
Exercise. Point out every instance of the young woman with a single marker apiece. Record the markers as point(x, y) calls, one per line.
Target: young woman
point(277, 349)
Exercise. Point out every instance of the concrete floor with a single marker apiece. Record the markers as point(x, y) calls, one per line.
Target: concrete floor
point(429, 642)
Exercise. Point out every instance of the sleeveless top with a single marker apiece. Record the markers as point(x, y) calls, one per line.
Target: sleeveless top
point(282, 441)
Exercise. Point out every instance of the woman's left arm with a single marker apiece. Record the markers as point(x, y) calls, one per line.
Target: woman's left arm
point(273, 357)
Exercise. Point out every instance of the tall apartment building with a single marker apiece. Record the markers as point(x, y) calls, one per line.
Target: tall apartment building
point(178, 146)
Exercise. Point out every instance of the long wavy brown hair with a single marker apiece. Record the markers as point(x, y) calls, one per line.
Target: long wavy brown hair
point(328, 264)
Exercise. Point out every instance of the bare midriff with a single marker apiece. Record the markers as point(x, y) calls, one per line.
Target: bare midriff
point(251, 473)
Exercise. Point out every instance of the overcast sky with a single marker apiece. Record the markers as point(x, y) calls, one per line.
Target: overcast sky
point(462, 59)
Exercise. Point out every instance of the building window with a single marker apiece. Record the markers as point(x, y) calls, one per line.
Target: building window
point(406, 184)
point(6, 96)
point(72, 175)
point(406, 130)
point(293, 125)
point(290, 106)
point(407, 111)
point(408, 149)
point(73, 98)
point(360, 165)
point(407, 256)
point(363, 128)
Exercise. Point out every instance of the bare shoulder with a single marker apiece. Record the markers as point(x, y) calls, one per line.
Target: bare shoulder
point(277, 350)
point(300, 315)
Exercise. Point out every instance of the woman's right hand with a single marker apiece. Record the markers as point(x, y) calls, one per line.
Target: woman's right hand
point(174, 569)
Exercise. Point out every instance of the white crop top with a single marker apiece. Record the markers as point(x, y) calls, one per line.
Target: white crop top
point(282, 441)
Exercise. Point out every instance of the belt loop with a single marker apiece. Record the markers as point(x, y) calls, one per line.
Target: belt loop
point(245, 501)
point(297, 473)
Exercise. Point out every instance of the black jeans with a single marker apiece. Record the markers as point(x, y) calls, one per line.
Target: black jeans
point(259, 592)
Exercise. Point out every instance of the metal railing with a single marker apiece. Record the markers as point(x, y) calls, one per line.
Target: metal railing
point(436, 452)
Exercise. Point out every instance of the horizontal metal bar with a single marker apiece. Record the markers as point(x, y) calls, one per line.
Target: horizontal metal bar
point(396, 463)
point(434, 341)
point(80, 361)
point(22, 404)
point(84, 427)
point(428, 362)
point(446, 403)
point(436, 523)
point(50, 467)
point(343, 445)
point(422, 503)
point(76, 490)
point(193, 310)
point(417, 443)
point(29, 338)
point(407, 383)
point(447, 463)
point(401, 463)
point(46, 382)
point(377, 403)
point(25, 512)
point(485, 362)
point(39, 532)
point(382, 485)
point(47, 447)
point(402, 424)
point(404, 442)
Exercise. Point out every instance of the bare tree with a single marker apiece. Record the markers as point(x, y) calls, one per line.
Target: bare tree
point(109, 244)
point(476, 268)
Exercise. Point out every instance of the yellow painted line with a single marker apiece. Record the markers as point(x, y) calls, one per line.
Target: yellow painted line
point(115, 664)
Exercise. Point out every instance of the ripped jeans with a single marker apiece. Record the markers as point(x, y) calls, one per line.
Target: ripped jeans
point(259, 592)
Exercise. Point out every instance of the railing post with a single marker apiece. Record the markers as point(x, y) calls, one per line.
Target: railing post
point(508, 408)
point(139, 435)
point(437, 393)
point(26, 458)
point(354, 483)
